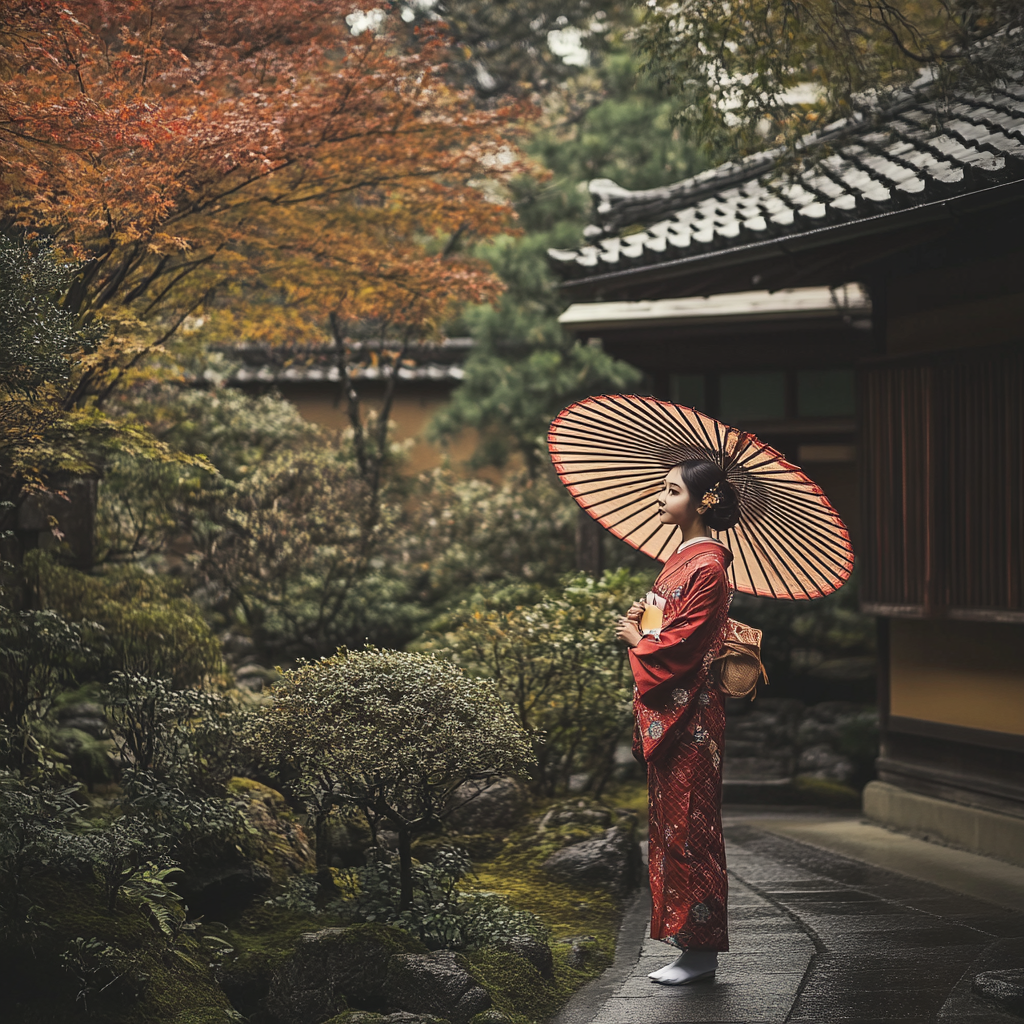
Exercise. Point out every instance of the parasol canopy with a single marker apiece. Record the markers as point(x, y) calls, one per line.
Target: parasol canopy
point(612, 453)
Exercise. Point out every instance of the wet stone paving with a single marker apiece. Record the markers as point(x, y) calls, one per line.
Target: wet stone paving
point(818, 937)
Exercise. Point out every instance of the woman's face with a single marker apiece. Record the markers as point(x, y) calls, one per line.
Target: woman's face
point(675, 506)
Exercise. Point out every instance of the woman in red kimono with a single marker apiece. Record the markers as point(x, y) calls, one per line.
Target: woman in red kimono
point(680, 719)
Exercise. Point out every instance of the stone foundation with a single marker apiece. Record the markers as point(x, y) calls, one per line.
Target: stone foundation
point(969, 828)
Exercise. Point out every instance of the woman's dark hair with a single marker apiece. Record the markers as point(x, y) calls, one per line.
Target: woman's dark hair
point(701, 476)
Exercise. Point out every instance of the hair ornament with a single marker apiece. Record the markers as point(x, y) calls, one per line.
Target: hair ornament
point(711, 498)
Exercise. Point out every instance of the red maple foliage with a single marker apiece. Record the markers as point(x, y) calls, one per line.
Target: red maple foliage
point(250, 161)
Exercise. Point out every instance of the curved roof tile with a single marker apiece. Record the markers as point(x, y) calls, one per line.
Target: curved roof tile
point(920, 154)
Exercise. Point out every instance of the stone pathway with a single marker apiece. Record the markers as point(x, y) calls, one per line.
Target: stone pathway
point(820, 937)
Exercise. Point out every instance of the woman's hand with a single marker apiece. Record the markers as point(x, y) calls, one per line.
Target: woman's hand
point(636, 611)
point(627, 631)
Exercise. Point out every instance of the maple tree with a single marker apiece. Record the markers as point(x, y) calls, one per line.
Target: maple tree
point(251, 167)
point(41, 346)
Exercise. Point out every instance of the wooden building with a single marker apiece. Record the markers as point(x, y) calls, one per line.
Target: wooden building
point(926, 212)
point(311, 380)
point(780, 364)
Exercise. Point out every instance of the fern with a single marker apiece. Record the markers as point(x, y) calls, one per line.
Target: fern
point(153, 893)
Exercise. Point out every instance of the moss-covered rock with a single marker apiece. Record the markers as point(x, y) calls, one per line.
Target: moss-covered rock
point(516, 987)
point(334, 967)
point(611, 859)
point(435, 984)
point(533, 950)
point(584, 952)
point(278, 840)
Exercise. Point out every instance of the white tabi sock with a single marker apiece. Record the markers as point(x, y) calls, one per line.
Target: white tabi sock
point(692, 965)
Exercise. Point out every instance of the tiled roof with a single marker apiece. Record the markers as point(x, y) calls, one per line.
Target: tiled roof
point(331, 375)
point(270, 364)
point(919, 155)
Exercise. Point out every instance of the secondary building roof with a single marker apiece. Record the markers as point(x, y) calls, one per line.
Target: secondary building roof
point(923, 164)
point(789, 304)
point(431, 362)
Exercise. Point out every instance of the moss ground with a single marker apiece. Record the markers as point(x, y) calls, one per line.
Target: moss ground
point(631, 796)
point(566, 910)
point(172, 982)
point(160, 982)
point(825, 793)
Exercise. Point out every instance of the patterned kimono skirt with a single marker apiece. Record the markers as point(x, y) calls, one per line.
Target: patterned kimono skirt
point(689, 885)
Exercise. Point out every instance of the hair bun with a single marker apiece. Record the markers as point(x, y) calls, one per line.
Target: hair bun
point(726, 513)
point(706, 480)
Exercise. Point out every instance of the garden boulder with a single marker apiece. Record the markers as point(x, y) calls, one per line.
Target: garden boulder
point(277, 840)
point(575, 812)
point(612, 859)
point(532, 950)
point(486, 804)
point(436, 983)
point(822, 762)
point(87, 717)
point(584, 952)
point(334, 967)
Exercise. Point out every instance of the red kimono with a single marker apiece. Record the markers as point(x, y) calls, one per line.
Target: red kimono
point(680, 734)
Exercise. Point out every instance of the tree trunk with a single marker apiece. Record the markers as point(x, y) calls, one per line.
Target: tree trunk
point(589, 556)
point(405, 867)
point(322, 836)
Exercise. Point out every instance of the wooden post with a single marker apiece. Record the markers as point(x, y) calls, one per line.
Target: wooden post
point(589, 553)
point(70, 502)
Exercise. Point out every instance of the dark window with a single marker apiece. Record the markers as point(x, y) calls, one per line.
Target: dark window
point(753, 396)
point(687, 389)
point(825, 393)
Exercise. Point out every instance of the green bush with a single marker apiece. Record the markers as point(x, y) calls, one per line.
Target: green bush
point(40, 656)
point(134, 621)
point(462, 533)
point(263, 547)
point(441, 915)
point(387, 733)
point(555, 658)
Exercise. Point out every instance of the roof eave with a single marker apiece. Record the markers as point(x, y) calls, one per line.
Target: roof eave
point(754, 254)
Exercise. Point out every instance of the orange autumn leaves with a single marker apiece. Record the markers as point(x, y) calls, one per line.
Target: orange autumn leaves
point(252, 161)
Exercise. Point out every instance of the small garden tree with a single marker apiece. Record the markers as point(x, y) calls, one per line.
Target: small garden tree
point(389, 733)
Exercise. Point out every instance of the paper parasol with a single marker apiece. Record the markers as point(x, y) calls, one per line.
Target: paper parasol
point(612, 453)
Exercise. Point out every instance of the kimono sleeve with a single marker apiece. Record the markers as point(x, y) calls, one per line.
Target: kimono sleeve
point(688, 631)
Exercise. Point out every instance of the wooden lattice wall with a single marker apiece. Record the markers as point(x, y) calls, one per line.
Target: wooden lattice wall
point(943, 485)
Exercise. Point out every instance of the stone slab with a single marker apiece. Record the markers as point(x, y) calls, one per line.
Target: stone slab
point(971, 874)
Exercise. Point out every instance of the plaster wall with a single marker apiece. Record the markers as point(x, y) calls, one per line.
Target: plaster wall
point(411, 413)
point(969, 674)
